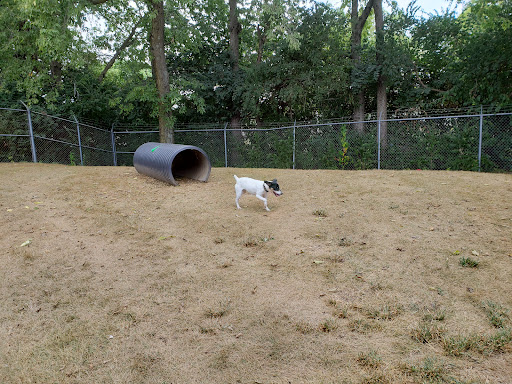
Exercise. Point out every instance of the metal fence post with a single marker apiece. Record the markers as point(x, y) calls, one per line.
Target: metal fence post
point(225, 147)
point(378, 143)
point(480, 138)
point(294, 125)
point(113, 140)
point(79, 140)
point(31, 133)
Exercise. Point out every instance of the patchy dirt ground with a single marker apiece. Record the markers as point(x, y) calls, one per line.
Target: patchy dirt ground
point(108, 276)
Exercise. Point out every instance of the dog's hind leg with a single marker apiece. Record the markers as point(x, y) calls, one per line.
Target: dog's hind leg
point(238, 195)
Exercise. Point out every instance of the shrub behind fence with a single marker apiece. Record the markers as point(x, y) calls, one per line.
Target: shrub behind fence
point(464, 142)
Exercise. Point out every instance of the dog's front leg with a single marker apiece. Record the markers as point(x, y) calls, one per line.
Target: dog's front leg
point(264, 201)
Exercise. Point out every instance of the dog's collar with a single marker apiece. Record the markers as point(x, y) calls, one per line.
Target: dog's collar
point(264, 187)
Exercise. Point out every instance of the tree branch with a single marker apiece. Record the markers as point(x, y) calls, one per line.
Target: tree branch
point(97, 2)
point(126, 43)
point(366, 13)
point(422, 83)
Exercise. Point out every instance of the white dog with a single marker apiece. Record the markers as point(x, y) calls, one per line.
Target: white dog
point(258, 188)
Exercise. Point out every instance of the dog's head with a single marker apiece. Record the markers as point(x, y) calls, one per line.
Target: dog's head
point(274, 187)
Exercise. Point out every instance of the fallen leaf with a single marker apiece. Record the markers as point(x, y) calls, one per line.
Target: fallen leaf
point(475, 253)
point(26, 243)
point(318, 261)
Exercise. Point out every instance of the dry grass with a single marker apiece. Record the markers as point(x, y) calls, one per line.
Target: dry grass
point(353, 277)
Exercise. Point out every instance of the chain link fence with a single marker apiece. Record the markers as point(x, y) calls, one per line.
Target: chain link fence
point(471, 142)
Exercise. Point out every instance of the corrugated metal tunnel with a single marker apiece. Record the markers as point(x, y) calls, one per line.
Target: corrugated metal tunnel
point(165, 161)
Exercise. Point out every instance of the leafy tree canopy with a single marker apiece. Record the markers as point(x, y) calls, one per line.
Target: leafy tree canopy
point(92, 58)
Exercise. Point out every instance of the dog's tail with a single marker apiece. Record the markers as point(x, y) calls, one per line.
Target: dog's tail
point(236, 177)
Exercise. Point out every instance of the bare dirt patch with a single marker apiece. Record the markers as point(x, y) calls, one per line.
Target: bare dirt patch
point(110, 276)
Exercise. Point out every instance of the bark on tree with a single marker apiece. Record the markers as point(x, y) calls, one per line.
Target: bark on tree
point(56, 71)
point(357, 24)
point(262, 39)
point(160, 73)
point(234, 45)
point(382, 101)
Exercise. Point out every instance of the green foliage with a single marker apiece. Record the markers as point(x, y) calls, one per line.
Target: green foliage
point(498, 315)
point(271, 149)
point(433, 371)
point(343, 158)
point(294, 65)
point(484, 344)
point(468, 262)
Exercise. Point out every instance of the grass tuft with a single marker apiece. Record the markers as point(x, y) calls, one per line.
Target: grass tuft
point(427, 332)
point(386, 312)
point(496, 313)
point(459, 345)
point(219, 311)
point(468, 262)
point(364, 326)
point(369, 360)
point(433, 370)
point(376, 378)
point(320, 213)
point(327, 326)
point(304, 328)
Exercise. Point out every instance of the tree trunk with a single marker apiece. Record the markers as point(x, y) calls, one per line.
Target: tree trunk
point(160, 72)
point(262, 38)
point(382, 101)
point(357, 24)
point(234, 46)
point(56, 71)
point(234, 34)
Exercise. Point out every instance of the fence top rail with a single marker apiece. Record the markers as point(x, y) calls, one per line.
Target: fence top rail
point(139, 132)
point(448, 117)
point(324, 124)
point(234, 129)
point(53, 117)
point(70, 121)
point(13, 109)
point(93, 127)
point(302, 125)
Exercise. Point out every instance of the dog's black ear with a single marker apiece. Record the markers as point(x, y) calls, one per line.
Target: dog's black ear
point(274, 181)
